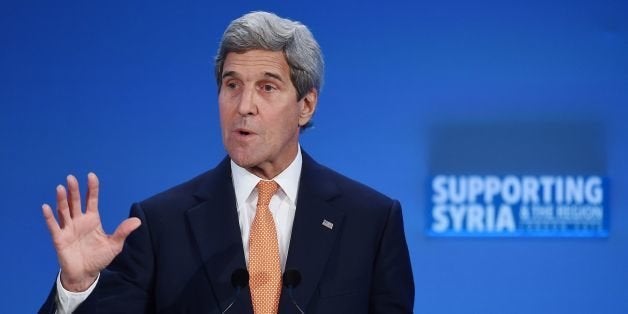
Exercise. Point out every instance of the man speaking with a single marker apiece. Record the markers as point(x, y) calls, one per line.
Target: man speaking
point(268, 211)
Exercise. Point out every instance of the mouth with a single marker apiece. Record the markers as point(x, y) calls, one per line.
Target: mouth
point(243, 132)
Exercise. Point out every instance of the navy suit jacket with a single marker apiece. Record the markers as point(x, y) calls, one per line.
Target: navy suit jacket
point(181, 258)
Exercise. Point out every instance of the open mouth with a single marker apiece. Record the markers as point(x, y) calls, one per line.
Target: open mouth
point(243, 132)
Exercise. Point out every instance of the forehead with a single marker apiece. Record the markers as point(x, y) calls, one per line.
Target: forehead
point(256, 62)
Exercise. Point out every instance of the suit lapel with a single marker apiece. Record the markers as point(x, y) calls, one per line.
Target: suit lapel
point(314, 231)
point(215, 227)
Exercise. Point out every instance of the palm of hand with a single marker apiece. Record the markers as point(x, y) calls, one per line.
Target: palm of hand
point(83, 248)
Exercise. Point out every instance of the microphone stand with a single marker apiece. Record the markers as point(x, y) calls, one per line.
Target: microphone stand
point(291, 279)
point(239, 280)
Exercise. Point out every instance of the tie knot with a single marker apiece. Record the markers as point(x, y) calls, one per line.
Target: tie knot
point(266, 190)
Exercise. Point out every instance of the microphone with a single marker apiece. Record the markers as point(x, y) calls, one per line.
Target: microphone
point(291, 279)
point(239, 280)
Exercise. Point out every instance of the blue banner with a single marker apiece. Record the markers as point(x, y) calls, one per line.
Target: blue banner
point(512, 206)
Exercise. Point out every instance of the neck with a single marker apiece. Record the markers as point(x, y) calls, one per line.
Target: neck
point(270, 169)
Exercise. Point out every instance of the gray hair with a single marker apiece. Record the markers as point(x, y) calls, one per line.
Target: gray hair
point(267, 31)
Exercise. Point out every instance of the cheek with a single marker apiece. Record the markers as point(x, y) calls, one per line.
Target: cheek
point(286, 124)
point(223, 120)
point(225, 111)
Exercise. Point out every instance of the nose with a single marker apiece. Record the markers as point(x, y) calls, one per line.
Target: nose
point(248, 102)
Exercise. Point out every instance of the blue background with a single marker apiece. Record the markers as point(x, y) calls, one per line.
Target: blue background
point(126, 89)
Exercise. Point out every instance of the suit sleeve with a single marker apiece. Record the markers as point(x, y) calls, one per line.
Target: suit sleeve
point(392, 290)
point(50, 305)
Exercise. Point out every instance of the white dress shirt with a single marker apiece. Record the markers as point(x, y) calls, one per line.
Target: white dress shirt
point(282, 206)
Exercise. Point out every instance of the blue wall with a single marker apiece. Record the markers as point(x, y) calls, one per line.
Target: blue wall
point(125, 89)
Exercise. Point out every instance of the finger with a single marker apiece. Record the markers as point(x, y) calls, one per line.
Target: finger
point(62, 207)
point(92, 193)
point(124, 229)
point(51, 222)
point(75, 196)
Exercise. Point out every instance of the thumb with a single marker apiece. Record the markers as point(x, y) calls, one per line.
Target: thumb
point(124, 229)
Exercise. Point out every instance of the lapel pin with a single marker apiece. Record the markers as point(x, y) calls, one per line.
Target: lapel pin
point(328, 224)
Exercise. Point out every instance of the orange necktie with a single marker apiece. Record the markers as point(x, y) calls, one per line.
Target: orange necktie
point(264, 269)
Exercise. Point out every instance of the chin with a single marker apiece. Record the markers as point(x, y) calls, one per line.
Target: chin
point(242, 158)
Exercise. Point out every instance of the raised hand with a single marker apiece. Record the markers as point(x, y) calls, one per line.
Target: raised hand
point(83, 248)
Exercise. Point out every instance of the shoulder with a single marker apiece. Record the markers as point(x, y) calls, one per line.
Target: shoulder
point(191, 192)
point(343, 191)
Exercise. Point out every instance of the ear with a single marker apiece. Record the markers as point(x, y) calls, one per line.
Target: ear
point(307, 106)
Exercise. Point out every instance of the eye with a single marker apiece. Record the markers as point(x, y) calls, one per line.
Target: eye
point(268, 88)
point(231, 84)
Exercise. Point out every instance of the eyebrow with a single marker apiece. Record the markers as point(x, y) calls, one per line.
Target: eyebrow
point(229, 73)
point(266, 74)
point(273, 75)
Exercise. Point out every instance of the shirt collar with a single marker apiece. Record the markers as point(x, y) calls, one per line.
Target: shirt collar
point(244, 182)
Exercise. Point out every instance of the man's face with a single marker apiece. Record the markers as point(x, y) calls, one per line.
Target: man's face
point(259, 112)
